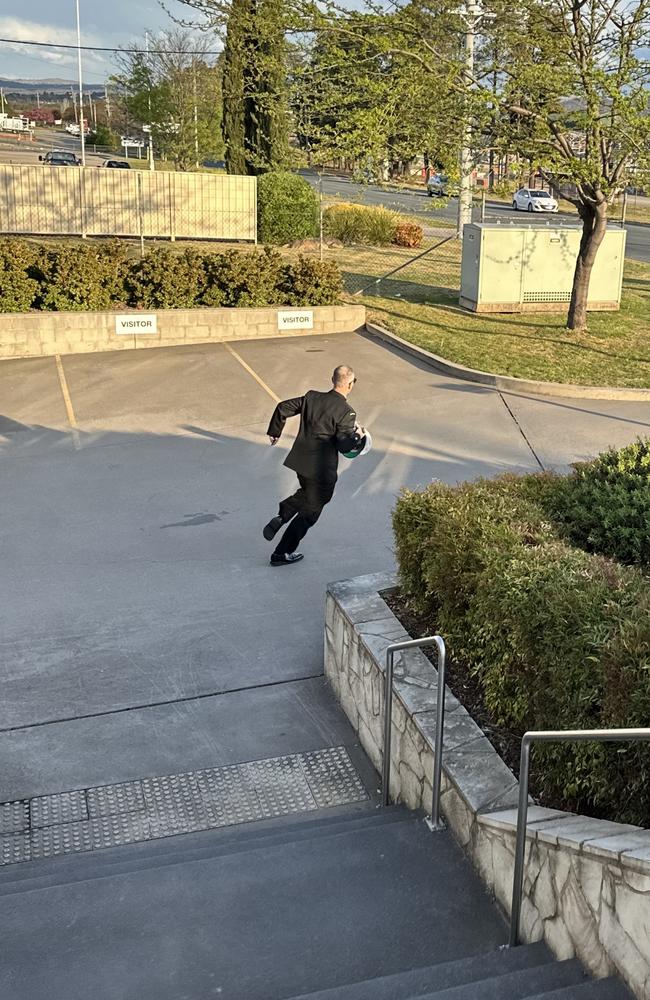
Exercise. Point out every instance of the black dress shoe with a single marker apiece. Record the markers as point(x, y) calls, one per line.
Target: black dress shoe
point(286, 558)
point(272, 528)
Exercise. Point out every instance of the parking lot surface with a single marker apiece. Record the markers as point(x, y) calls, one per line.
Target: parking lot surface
point(142, 630)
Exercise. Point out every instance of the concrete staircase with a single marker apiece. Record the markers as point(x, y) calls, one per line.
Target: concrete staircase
point(350, 904)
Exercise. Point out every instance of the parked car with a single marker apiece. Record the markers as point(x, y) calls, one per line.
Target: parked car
point(531, 200)
point(117, 164)
point(60, 158)
point(438, 186)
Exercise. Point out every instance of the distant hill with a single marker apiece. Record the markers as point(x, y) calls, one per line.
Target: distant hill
point(53, 85)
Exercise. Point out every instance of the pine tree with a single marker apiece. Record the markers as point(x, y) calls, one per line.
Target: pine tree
point(255, 88)
point(234, 88)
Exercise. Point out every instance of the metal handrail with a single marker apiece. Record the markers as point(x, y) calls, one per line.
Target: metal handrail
point(439, 643)
point(567, 736)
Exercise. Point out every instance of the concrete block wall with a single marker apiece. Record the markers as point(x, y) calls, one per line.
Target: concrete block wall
point(29, 335)
point(587, 881)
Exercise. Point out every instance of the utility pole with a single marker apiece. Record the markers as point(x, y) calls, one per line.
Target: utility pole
point(196, 122)
point(152, 165)
point(471, 17)
point(107, 101)
point(81, 92)
point(38, 100)
point(2, 100)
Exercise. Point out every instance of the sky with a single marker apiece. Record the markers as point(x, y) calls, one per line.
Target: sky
point(103, 22)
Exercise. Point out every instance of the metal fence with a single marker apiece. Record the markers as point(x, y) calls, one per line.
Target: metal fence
point(91, 201)
point(431, 273)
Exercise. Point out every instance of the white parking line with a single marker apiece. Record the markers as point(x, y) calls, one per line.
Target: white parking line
point(65, 392)
point(276, 399)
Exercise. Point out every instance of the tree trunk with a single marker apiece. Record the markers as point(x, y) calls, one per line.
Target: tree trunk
point(427, 167)
point(594, 226)
point(491, 170)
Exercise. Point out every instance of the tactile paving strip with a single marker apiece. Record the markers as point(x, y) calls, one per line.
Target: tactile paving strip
point(153, 807)
point(14, 817)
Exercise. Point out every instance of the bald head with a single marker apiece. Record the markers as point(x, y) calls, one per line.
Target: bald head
point(343, 379)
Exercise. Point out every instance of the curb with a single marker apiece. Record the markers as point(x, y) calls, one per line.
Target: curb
point(507, 383)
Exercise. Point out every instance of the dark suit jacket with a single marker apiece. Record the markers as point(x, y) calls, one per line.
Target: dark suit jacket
point(327, 424)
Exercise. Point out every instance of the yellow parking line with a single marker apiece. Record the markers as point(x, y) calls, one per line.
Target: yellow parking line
point(250, 371)
point(65, 392)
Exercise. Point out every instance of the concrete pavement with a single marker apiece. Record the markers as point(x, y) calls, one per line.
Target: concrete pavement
point(141, 627)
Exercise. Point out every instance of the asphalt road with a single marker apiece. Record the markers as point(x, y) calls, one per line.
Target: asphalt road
point(418, 203)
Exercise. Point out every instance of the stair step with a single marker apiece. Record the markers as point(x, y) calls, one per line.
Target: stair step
point(279, 920)
point(523, 984)
point(595, 989)
point(413, 982)
point(194, 847)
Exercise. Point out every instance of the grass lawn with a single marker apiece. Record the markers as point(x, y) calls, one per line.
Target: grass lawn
point(420, 304)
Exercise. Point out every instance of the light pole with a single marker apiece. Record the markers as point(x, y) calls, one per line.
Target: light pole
point(152, 165)
point(81, 92)
point(471, 16)
point(196, 120)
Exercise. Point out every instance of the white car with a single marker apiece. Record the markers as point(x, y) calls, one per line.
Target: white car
point(532, 200)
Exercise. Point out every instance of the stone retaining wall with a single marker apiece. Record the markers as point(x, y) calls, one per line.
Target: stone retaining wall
point(28, 335)
point(587, 885)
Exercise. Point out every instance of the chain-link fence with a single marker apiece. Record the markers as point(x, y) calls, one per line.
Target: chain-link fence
point(395, 273)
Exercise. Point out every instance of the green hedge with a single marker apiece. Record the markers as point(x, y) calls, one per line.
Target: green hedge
point(604, 506)
point(287, 208)
point(556, 636)
point(102, 276)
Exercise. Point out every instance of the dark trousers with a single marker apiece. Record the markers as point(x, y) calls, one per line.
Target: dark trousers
point(303, 510)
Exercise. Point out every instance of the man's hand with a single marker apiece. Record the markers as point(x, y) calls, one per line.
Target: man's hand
point(273, 440)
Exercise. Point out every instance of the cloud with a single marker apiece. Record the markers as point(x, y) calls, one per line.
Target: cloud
point(13, 27)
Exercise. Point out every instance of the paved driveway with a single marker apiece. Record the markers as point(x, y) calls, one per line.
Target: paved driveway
point(142, 630)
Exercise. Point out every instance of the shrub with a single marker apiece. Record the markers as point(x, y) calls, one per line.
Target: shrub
point(604, 506)
point(79, 278)
point(18, 290)
point(287, 208)
point(360, 224)
point(309, 282)
point(237, 279)
point(557, 637)
point(540, 631)
point(101, 276)
point(164, 280)
point(408, 234)
point(447, 538)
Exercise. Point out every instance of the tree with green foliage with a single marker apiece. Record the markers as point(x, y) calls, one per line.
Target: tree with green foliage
point(566, 89)
point(358, 97)
point(574, 100)
point(175, 91)
point(256, 119)
point(234, 87)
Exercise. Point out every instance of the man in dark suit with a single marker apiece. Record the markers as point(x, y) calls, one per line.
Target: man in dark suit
point(328, 426)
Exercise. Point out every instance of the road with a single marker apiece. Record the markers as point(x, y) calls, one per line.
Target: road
point(16, 150)
point(418, 203)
